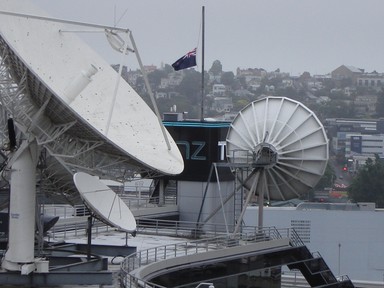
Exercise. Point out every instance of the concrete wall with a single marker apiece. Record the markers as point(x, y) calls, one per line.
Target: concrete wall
point(190, 197)
point(351, 242)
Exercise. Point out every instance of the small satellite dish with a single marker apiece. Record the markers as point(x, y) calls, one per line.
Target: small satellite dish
point(104, 203)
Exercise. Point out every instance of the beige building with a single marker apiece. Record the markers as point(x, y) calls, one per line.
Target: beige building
point(346, 72)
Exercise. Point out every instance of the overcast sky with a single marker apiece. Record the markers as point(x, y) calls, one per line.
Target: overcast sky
point(294, 35)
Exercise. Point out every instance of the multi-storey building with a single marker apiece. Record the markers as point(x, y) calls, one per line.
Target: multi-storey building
point(373, 80)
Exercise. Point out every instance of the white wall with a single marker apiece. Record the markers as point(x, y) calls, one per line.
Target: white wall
point(359, 233)
point(190, 197)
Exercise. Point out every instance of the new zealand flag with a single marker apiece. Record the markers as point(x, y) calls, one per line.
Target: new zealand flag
point(188, 60)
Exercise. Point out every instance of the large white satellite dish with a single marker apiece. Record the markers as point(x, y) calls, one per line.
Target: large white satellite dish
point(77, 86)
point(66, 100)
point(104, 203)
point(280, 146)
point(282, 139)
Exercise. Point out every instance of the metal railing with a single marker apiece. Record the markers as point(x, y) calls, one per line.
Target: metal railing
point(144, 201)
point(152, 255)
point(71, 225)
point(209, 237)
point(131, 200)
point(76, 228)
point(294, 278)
point(64, 211)
point(193, 230)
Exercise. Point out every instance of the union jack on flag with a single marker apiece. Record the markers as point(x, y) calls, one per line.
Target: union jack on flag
point(188, 60)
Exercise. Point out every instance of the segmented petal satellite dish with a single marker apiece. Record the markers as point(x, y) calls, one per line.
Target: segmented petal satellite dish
point(104, 203)
point(281, 145)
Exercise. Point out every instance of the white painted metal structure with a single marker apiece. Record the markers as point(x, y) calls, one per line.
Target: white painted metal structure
point(282, 147)
point(104, 203)
point(77, 87)
point(288, 130)
point(78, 110)
point(20, 253)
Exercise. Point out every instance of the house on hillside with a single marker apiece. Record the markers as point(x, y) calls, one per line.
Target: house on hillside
point(218, 90)
point(347, 72)
point(173, 80)
point(365, 105)
point(243, 93)
point(372, 80)
point(222, 104)
point(251, 76)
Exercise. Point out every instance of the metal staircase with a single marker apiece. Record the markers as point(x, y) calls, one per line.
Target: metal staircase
point(315, 270)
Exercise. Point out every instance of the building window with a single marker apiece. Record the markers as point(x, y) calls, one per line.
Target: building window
point(366, 82)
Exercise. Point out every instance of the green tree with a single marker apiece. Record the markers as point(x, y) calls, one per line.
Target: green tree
point(288, 92)
point(154, 77)
point(335, 108)
point(327, 179)
point(190, 86)
point(380, 104)
point(368, 185)
point(216, 68)
point(168, 69)
point(240, 104)
point(228, 78)
point(242, 82)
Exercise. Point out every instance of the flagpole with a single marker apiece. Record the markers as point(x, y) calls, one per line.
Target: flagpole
point(202, 64)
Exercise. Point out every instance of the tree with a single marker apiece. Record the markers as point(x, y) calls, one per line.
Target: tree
point(241, 82)
point(154, 77)
point(380, 105)
point(240, 104)
point(368, 185)
point(168, 69)
point(327, 179)
point(287, 92)
point(190, 86)
point(228, 78)
point(335, 108)
point(216, 68)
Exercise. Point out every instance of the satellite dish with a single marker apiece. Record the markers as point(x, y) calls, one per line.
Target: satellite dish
point(75, 85)
point(282, 143)
point(104, 203)
point(67, 100)
point(64, 94)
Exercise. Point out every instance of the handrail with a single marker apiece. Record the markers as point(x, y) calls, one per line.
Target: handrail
point(184, 229)
point(160, 253)
point(132, 201)
point(208, 237)
point(295, 239)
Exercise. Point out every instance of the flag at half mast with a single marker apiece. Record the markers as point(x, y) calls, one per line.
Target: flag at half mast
point(188, 60)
